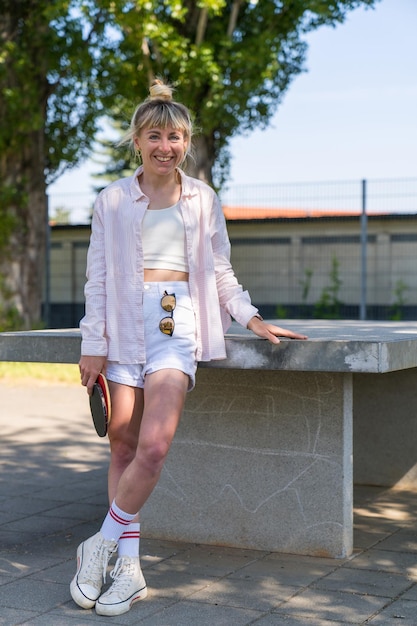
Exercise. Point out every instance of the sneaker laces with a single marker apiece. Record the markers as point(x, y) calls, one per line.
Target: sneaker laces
point(97, 565)
point(122, 574)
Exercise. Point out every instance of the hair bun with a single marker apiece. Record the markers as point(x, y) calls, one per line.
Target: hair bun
point(160, 91)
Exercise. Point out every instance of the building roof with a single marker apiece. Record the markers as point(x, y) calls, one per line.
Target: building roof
point(263, 213)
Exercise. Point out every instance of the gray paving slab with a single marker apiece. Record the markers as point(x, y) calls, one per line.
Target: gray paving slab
point(365, 582)
point(53, 495)
point(336, 606)
point(273, 619)
point(401, 612)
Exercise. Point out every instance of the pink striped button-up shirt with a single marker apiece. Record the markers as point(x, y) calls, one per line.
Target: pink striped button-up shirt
point(113, 321)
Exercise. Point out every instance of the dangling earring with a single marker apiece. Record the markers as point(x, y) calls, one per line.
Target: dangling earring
point(137, 152)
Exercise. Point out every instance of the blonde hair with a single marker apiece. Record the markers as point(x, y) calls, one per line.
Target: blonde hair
point(159, 110)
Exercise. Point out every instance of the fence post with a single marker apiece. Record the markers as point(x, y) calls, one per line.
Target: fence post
point(364, 240)
point(47, 293)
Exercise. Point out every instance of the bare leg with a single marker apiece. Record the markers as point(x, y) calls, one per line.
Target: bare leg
point(127, 408)
point(164, 397)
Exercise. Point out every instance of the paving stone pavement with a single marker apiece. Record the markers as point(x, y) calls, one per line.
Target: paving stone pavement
point(53, 495)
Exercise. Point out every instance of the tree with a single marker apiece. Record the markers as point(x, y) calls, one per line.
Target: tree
point(63, 64)
point(51, 55)
point(231, 61)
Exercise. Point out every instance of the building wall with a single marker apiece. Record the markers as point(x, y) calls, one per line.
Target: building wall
point(273, 259)
point(67, 265)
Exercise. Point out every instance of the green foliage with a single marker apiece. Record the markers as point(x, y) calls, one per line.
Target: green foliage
point(231, 61)
point(328, 306)
point(305, 284)
point(8, 220)
point(63, 64)
point(281, 312)
point(396, 310)
point(52, 79)
point(61, 215)
point(66, 64)
point(10, 318)
point(52, 76)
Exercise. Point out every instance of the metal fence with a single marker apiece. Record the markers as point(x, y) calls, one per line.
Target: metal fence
point(329, 249)
point(376, 196)
point(344, 249)
point(380, 196)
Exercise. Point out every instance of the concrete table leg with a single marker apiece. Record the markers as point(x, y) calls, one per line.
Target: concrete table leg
point(385, 429)
point(262, 460)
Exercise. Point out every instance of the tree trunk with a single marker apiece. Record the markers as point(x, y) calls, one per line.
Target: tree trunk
point(200, 163)
point(23, 258)
point(24, 29)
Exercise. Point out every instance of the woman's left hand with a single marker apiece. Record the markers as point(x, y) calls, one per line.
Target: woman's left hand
point(271, 332)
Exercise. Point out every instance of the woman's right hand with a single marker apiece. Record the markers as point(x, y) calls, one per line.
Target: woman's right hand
point(90, 368)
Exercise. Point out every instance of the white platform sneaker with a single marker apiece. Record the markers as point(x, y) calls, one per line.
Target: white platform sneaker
point(93, 556)
point(129, 586)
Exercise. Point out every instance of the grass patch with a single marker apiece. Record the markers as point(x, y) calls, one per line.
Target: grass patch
point(45, 372)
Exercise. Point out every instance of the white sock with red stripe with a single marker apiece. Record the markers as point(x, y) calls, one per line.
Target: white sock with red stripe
point(129, 541)
point(116, 522)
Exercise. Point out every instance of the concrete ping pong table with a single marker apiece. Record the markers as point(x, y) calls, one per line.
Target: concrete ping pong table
point(273, 438)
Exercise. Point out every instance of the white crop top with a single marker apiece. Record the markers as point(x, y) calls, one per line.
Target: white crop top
point(163, 239)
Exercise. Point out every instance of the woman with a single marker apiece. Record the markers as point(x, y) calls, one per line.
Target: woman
point(160, 294)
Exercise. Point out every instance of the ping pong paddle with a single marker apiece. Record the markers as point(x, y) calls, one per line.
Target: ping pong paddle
point(100, 405)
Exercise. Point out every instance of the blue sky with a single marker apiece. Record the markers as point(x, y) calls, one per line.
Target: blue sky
point(351, 115)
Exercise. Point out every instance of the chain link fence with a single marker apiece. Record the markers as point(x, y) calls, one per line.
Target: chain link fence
point(343, 249)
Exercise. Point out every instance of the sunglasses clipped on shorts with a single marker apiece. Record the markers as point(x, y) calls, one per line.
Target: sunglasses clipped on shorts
point(167, 324)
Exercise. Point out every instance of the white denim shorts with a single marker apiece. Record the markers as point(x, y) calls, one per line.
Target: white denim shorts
point(162, 351)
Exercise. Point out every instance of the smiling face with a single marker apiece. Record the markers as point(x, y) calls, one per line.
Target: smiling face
point(162, 149)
